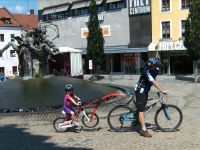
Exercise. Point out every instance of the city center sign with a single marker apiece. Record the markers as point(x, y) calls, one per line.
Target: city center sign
point(139, 7)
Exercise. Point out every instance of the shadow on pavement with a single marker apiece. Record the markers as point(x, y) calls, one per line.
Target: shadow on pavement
point(13, 138)
point(185, 78)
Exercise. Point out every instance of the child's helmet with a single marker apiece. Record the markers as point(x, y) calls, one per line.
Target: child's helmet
point(68, 88)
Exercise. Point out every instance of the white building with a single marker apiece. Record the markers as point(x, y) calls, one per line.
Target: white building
point(9, 27)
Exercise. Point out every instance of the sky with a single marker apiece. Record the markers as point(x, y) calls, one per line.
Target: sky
point(20, 6)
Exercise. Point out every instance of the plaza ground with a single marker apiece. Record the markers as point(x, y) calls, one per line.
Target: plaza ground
point(25, 133)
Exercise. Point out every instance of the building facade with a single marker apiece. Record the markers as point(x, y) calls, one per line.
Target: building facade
point(134, 30)
point(9, 27)
point(72, 17)
point(168, 29)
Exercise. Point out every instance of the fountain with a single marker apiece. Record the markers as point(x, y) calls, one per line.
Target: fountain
point(34, 92)
point(18, 95)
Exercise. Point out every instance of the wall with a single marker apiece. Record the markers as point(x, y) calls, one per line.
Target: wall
point(70, 29)
point(7, 61)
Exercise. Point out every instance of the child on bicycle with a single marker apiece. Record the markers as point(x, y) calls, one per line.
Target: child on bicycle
point(69, 101)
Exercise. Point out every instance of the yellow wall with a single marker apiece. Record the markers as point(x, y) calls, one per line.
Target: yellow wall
point(175, 15)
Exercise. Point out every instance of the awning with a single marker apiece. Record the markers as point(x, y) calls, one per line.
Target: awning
point(121, 49)
point(110, 1)
point(84, 4)
point(63, 8)
point(80, 5)
point(68, 50)
point(99, 2)
point(48, 11)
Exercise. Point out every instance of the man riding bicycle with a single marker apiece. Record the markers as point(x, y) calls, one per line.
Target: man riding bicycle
point(143, 86)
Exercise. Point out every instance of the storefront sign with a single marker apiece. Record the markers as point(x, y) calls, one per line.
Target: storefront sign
point(105, 31)
point(171, 45)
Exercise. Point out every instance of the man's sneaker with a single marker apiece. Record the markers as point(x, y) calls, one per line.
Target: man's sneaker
point(145, 133)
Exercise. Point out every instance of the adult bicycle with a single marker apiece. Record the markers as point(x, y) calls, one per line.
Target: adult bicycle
point(89, 118)
point(168, 117)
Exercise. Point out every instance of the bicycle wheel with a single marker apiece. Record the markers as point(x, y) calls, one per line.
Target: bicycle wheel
point(168, 118)
point(57, 122)
point(94, 121)
point(120, 118)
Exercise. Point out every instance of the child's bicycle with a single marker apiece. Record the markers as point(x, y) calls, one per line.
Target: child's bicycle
point(167, 118)
point(89, 118)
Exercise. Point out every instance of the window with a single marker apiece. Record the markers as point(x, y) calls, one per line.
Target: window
point(14, 68)
point(183, 22)
point(7, 21)
point(165, 5)
point(116, 5)
point(1, 37)
point(2, 70)
point(12, 53)
point(165, 29)
point(184, 4)
point(12, 37)
point(100, 8)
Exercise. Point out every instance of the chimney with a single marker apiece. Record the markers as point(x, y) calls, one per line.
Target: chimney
point(32, 12)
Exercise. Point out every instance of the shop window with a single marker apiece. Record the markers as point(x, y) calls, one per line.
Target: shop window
point(184, 4)
point(165, 5)
point(166, 29)
point(183, 22)
point(1, 37)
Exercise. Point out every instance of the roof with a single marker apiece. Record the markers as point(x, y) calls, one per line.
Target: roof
point(4, 13)
point(28, 22)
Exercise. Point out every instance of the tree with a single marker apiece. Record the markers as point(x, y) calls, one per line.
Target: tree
point(192, 33)
point(95, 40)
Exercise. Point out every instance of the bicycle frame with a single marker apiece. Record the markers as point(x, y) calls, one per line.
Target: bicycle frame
point(99, 103)
point(151, 106)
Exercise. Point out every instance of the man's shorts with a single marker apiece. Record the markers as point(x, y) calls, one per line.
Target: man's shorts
point(141, 101)
point(67, 110)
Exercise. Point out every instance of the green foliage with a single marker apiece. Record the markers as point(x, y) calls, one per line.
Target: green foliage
point(95, 40)
point(192, 33)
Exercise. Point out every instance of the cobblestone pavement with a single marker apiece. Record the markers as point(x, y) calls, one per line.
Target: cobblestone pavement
point(17, 132)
